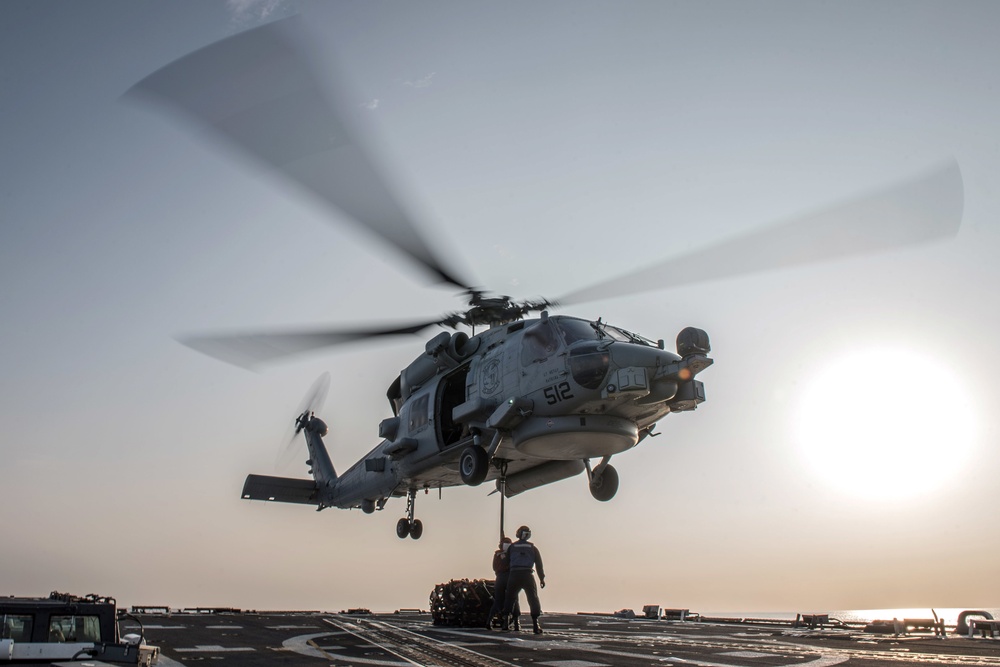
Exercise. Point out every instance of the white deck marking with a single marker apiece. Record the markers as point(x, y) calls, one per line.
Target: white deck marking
point(215, 649)
point(303, 644)
point(822, 661)
point(827, 657)
point(164, 661)
point(825, 661)
point(417, 636)
point(307, 645)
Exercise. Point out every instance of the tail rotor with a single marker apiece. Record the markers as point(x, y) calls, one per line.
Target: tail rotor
point(310, 404)
point(320, 491)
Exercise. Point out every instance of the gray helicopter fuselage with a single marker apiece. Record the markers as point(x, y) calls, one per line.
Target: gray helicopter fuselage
point(542, 395)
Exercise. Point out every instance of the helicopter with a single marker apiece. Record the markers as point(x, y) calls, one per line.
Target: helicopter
point(512, 394)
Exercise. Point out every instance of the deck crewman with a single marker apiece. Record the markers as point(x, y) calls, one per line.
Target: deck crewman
point(523, 556)
point(501, 572)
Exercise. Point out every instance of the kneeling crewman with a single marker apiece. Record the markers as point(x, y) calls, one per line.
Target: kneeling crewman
point(523, 556)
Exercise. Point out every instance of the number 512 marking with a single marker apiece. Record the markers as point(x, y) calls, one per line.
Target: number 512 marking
point(558, 392)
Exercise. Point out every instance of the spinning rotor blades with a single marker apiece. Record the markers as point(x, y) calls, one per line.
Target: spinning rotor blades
point(256, 92)
point(250, 349)
point(920, 210)
point(311, 402)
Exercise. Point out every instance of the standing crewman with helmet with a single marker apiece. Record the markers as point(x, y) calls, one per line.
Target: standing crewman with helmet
point(501, 571)
point(523, 556)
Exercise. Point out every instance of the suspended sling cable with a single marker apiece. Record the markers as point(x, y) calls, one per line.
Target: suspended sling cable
point(503, 495)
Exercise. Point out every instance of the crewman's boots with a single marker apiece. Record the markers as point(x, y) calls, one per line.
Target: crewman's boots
point(504, 623)
point(489, 623)
point(536, 628)
point(517, 623)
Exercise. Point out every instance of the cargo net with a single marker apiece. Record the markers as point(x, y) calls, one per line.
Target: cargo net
point(464, 603)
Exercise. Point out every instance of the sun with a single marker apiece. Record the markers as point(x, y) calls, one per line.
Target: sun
point(885, 423)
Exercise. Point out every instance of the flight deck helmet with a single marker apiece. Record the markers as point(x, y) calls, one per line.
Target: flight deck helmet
point(523, 533)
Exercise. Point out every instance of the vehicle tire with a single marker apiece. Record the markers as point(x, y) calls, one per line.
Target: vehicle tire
point(402, 529)
point(605, 487)
point(473, 465)
point(416, 529)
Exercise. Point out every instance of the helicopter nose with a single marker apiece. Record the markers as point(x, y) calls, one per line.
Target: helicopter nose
point(634, 369)
point(628, 355)
point(653, 375)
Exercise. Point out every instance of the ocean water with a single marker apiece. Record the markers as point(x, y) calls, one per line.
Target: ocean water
point(949, 614)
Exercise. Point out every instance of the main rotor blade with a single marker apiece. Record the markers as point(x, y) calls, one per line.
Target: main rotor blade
point(252, 349)
point(920, 210)
point(316, 396)
point(257, 92)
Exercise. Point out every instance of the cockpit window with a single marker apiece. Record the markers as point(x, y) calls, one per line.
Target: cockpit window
point(614, 333)
point(539, 343)
point(574, 330)
point(631, 337)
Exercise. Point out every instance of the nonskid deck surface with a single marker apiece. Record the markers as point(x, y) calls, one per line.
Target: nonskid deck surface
point(569, 640)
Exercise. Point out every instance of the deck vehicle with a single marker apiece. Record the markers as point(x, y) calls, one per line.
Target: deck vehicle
point(64, 627)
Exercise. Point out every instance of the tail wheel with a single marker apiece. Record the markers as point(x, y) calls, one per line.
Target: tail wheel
point(416, 529)
point(403, 529)
point(605, 486)
point(473, 465)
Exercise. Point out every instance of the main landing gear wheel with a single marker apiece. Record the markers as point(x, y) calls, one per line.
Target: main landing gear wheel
point(406, 528)
point(473, 465)
point(604, 486)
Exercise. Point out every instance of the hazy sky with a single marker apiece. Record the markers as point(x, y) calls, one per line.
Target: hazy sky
point(544, 146)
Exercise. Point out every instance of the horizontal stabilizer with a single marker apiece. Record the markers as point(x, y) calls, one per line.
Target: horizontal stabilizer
point(281, 489)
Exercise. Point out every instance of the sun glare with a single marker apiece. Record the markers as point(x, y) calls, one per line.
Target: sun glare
point(885, 424)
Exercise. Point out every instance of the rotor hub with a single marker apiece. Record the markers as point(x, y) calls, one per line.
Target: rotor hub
point(494, 310)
